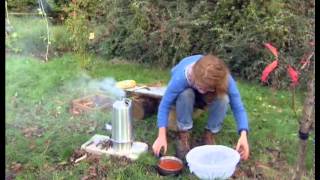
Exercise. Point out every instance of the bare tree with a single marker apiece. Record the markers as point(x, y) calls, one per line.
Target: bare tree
point(306, 125)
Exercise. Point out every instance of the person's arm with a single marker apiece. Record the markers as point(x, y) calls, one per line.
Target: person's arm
point(239, 112)
point(241, 118)
point(174, 88)
point(243, 145)
point(160, 142)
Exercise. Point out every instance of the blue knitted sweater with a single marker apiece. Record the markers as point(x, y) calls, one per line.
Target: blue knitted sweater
point(178, 83)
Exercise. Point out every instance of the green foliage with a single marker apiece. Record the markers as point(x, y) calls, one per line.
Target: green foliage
point(22, 5)
point(79, 28)
point(61, 40)
point(163, 32)
point(28, 36)
point(79, 32)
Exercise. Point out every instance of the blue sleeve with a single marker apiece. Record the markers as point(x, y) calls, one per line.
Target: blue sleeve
point(174, 88)
point(237, 107)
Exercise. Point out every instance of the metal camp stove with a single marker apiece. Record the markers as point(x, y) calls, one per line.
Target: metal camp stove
point(122, 141)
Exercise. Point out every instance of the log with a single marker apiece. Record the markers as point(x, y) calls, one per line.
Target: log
point(144, 107)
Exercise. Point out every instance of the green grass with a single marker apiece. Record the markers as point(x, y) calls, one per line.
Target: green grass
point(38, 94)
point(29, 36)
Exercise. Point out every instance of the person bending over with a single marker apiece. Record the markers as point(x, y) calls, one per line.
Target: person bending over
point(202, 81)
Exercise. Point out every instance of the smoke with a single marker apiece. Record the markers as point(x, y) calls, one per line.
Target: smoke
point(27, 35)
point(107, 86)
point(84, 85)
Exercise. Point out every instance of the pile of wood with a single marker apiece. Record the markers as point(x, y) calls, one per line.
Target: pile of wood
point(90, 103)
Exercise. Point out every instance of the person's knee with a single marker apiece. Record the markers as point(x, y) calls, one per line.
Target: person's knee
point(223, 99)
point(187, 94)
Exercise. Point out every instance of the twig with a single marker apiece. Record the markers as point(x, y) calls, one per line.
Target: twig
point(7, 12)
point(17, 13)
point(44, 152)
point(293, 101)
point(44, 14)
point(80, 158)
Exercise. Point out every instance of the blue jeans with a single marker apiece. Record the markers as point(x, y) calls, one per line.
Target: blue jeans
point(184, 108)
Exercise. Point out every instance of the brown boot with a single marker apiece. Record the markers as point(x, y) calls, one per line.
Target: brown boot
point(183, 144)
point(208, 137)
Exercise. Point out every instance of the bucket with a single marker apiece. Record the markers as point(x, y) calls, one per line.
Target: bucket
point(212, 161)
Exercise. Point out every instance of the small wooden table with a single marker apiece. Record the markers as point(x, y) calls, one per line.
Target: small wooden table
point(146, 101)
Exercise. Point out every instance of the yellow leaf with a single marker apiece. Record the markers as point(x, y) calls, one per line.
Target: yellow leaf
point(91, 36)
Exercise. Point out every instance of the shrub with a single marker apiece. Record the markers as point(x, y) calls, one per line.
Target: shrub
point(28, 35)
point(61, 40)
point(22, 5)
point(163, 32)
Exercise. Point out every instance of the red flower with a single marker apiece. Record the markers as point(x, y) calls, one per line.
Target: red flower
point(273, 50)
point(268, 70)
point(293, 75)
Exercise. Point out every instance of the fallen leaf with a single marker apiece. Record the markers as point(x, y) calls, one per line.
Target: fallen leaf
point(85, 178)
point(16, 167)
point(63, 163)
point(32, 145)
point(262, 165)
point(90, 130)
point(33, 131)
point(93, 159)
point(239, 173)
point(93, 171)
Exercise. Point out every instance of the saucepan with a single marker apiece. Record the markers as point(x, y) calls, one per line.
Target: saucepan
point(169, 166)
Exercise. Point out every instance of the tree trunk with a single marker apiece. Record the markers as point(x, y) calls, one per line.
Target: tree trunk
point(306, 124)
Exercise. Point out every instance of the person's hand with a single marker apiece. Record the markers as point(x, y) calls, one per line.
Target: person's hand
point(160, 142)
point(243, 146)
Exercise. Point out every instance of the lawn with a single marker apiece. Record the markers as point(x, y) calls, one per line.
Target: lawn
point(42, 136)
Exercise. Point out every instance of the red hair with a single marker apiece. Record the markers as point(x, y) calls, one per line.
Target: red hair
point(211, 73)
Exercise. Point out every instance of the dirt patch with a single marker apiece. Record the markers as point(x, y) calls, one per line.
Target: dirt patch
point(84, 126)
point(275, 168)
point(33, 131)
point(14, 169)
point(121, 161)
point(93, 159)
point(97, 170)
point(94, 172)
